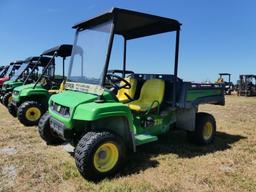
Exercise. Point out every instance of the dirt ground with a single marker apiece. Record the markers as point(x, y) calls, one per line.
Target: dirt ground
point(172, 164)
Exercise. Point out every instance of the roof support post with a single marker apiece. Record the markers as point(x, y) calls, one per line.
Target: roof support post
point(124, 57)
point(32, 70)
point(176, 67)
point(63, 67)
point(110, 43)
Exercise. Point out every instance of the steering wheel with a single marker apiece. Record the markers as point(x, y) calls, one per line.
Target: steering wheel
point(115, 81)
point(45, 80)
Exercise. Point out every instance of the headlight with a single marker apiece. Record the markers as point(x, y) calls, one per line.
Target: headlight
point(15, 93)
point(62, 110)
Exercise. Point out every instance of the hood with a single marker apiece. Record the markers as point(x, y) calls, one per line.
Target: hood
point(72, 99)
point(11, 84)
point(28, 86)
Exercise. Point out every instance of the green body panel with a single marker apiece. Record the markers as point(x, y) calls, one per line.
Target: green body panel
point(82, 106)
point(198, 93)
point(8, 86)
point(26, 92)
point(161, 124)
point(144, 138)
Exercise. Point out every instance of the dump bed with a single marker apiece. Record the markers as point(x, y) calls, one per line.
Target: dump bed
point(201, 93)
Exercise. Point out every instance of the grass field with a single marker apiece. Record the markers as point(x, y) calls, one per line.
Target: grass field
point(172, 164)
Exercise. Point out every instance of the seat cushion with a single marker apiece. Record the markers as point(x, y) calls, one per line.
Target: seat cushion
point(61, 89)
point(152, 93)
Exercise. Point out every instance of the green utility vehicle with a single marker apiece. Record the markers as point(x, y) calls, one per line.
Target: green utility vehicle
point(92, 113)
point(26, 74)
point(9, 71)
point(31, 101)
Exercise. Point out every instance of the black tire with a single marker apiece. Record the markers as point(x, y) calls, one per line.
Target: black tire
point(85, 154)
point(12, 110)
point(45, 131)
point(23, 109)
point(198, 136)
point(1, 99)
point(6, 98)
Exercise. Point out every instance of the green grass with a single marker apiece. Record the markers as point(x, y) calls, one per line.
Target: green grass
point(172, 164)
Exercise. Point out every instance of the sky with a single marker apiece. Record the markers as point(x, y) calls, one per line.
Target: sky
point(216, 36)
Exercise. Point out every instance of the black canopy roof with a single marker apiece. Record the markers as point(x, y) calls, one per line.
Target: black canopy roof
point(17, 62)
point(43, 60)
point(132, 24)
point(63, 50)
point(248, 75)
point(224, 74)
point(1, 67)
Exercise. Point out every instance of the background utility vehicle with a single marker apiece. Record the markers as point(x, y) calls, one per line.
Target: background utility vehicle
point(10, 71)
point(103, 126)
point(4, 70)
point(31, 101)
point(26, 74)
point(225, 79)
point(247, 85)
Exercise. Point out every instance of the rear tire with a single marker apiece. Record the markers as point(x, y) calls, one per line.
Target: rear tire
point(45, 131)
point(30, 112)
point(99, 155)
point(7, 98)
point(12, 110)
point(205, 129)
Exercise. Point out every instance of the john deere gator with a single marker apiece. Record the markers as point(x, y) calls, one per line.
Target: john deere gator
point(105, 114)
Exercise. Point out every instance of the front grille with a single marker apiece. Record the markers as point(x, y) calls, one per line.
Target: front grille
point(57, 127)
point(60, 109)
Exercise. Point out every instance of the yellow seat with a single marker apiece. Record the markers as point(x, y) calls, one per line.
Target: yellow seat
point(121, 94)
point(61, 89)
point(151, 95)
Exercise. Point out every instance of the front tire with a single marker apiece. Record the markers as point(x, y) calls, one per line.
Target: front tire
point(12, 110)
point(45, 131)
point(7, 98)
point(205, 129)
point(30, 112)
point(99, 155)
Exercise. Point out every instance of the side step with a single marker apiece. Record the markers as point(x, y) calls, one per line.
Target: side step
point(141, 139)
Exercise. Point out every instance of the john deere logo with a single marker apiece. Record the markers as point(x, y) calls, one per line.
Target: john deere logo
point(58, 108)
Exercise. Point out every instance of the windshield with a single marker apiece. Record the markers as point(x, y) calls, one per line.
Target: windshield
point(89, 55)
point(2, 72)
point(19, 72)
point(8, 73)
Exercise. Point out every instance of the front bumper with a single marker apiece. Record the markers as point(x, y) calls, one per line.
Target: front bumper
point(60, 129)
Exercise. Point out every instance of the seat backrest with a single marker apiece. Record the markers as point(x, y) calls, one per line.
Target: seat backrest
point(152, 90)
point(130, 92)
point(61, 89)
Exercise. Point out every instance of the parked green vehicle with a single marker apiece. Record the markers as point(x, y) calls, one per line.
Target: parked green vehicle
point(9, 71)
point(92, 113)
point(31, 101)
point(26, 74)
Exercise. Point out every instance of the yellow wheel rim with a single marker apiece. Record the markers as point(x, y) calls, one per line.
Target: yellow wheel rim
point(207, 131)
point(9, 99)
point(33, 114)
point(106, 157)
